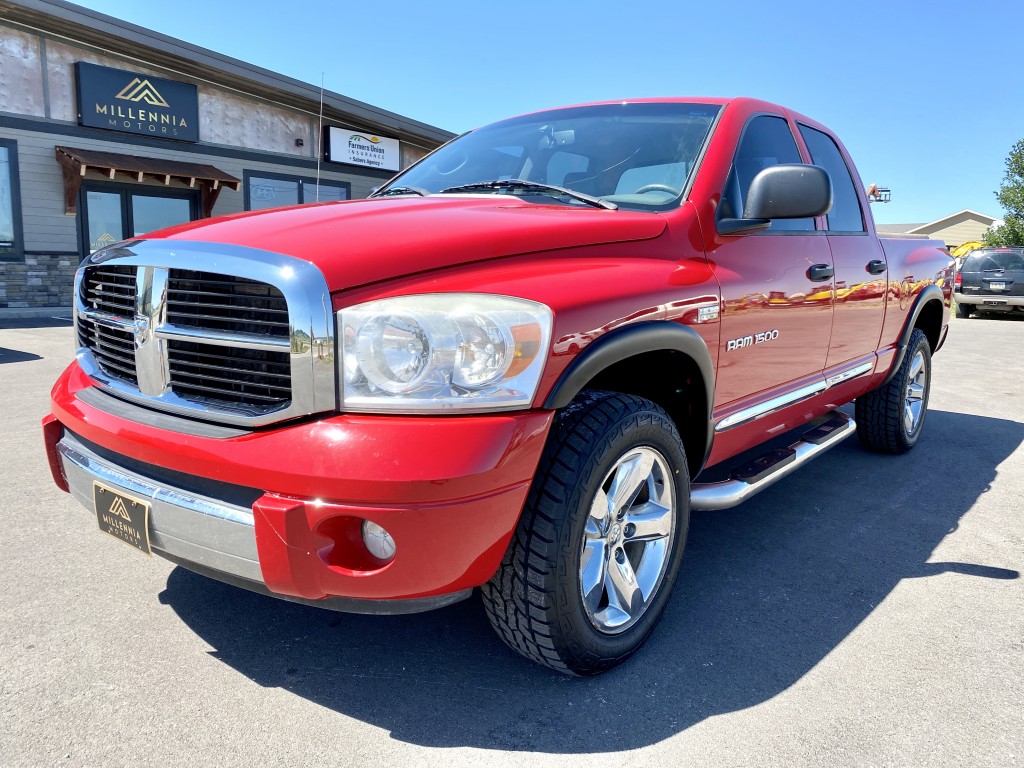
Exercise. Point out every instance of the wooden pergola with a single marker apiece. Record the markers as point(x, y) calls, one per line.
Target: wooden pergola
point(76, 163)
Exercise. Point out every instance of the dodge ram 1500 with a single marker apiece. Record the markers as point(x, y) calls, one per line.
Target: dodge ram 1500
point(516, 368)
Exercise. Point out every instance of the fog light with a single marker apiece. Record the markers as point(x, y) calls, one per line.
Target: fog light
point(378, 541)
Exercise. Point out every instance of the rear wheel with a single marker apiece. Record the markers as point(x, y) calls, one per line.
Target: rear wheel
point(890, 418)
point(963, 310)
point(591, 565)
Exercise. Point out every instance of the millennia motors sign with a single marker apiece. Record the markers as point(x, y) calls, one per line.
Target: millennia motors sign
point(131, 102)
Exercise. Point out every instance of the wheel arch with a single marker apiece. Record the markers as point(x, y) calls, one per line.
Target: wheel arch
point(636, 360)
point(926, 314)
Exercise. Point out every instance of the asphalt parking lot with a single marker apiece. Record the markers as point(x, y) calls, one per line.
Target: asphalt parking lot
point(869, 610)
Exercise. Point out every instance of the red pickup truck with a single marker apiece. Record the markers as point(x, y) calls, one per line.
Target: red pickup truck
point(516, 368)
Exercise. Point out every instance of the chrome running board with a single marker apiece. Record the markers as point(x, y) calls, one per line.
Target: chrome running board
point(767, 470)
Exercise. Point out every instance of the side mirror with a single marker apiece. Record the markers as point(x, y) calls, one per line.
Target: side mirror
point(792, 191)
point(789, 192)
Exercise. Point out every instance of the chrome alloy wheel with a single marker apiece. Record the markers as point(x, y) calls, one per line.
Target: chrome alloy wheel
point(913, 397)
point(627, 540)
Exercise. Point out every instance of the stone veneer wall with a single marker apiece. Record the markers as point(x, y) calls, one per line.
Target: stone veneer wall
point(38, 281)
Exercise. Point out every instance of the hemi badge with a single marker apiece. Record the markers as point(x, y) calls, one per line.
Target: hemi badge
point(704, 314)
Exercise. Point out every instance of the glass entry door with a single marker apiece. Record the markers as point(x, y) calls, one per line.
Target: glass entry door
point(112, 212)
point(105, 214)
point(150, 213)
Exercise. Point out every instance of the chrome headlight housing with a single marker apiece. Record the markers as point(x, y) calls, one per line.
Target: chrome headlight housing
point(442, 352)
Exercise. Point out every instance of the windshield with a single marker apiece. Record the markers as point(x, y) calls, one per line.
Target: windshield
point(637, 156)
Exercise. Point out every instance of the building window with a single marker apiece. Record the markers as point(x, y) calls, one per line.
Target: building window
point(112, 212)
point(271, 190)
point(11, 245)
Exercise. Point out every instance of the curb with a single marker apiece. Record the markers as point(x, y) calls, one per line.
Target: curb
point(32, 313)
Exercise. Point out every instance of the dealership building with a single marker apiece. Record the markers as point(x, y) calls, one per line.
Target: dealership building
point(109, 130)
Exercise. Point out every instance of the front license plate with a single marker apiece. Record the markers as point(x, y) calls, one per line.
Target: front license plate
point(123, 517)
point(997, 286)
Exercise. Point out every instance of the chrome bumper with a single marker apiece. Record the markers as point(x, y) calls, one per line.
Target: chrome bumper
point(206, 535)
point(183, 526)
point(979, 300)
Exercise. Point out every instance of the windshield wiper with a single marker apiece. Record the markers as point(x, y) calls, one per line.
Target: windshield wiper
point(533, 186)
point(401, 191)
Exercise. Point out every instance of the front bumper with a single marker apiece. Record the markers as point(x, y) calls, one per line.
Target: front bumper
point(279, 509)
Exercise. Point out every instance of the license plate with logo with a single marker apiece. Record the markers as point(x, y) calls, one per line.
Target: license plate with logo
point(997, 286)
point(122, 516)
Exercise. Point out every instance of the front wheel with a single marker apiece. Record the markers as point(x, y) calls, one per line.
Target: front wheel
point(890, 418)
point(592, 562)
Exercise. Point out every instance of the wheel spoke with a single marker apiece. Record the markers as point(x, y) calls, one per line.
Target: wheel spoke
point(630, 477)
point(916, 367)
point(620, 582)
point(593, 572)
point(914, 394)
point(651, 522)
point(599, 510)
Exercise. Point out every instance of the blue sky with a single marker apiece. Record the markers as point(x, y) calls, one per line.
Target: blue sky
point(908, 86)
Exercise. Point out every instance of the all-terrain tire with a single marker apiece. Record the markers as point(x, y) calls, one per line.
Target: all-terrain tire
point(535, 601)
point(890, 419)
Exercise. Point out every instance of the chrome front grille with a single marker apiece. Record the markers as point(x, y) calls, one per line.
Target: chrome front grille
point(215, 331)
point(110, 290)
point(231, 305)
point(211, 374)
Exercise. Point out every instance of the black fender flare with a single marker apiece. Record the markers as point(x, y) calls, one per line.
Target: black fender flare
point(623, 343)
point(928, 294)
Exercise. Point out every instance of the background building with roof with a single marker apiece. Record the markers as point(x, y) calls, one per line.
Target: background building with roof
point(109, 130)
point(958, 228)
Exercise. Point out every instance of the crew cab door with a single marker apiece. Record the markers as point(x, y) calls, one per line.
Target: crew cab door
point(776, 283)
point(860, 266)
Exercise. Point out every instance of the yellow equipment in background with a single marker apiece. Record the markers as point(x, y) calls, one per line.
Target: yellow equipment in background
point(962, 250)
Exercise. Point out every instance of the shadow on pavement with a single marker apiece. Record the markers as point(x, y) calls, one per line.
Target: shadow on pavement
point(16, 356)
point(767, 591)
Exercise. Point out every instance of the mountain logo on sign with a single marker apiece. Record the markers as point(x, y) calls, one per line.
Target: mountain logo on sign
point(117, 508)
point(142, 90)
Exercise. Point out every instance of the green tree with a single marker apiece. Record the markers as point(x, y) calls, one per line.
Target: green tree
point(1011, 197)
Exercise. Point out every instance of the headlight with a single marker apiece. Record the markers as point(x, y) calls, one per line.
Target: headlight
point(454, 351)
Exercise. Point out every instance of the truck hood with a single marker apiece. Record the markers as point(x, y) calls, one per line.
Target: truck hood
point(364, 241)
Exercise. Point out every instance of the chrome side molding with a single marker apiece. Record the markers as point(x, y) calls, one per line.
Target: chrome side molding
point(791, 398)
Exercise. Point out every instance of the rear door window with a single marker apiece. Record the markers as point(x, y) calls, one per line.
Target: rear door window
point(845, 215)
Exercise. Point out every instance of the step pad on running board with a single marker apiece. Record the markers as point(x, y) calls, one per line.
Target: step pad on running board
point(766, 470)
point(765, 465)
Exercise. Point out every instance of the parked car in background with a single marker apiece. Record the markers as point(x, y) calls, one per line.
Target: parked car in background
point(990, 280)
